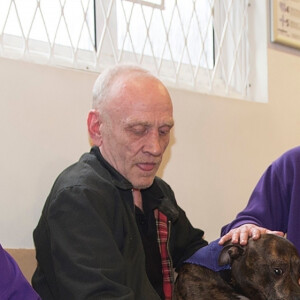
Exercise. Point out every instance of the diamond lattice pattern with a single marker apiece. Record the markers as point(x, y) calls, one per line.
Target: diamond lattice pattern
point(195, 44)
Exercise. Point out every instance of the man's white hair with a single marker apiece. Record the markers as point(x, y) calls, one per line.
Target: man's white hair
point(105, 80)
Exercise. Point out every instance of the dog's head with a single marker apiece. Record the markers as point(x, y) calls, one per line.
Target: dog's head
point(268, 268)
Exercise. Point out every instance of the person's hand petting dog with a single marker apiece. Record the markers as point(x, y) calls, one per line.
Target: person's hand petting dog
point(244, 232)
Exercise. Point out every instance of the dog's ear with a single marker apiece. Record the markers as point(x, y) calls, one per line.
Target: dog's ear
point(229, 253)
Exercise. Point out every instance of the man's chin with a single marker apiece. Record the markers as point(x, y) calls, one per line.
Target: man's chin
point(142, 184)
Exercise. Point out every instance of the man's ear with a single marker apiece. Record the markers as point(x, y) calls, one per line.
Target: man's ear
point(93, 122)
point(229, 253)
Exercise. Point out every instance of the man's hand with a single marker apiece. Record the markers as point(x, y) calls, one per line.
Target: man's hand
point(244, 232)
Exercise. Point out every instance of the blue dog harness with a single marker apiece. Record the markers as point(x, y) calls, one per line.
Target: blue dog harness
point(208, 257)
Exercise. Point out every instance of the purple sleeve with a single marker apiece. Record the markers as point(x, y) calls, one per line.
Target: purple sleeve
point(13, 284)
point(270, 202)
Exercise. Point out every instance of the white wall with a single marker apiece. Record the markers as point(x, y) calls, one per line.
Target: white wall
point(223, 145)
point(218, 151)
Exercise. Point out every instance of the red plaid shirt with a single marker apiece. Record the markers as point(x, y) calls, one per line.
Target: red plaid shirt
point(163, 236)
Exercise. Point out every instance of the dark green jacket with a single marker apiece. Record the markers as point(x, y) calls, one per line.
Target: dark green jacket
point(87, 242)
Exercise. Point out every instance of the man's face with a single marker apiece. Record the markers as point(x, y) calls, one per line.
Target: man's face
point(136, 130)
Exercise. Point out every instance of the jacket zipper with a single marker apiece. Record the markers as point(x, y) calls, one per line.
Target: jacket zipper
point(170, 258)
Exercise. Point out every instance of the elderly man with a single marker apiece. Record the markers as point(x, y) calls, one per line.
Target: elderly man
point(111, 229)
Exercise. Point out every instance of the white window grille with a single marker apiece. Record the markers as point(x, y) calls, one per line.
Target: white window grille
point(201, 45)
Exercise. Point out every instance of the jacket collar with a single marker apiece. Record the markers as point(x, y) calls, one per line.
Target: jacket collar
point(164, 203)
point(118, 180)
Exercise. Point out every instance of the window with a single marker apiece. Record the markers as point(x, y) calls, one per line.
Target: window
point(181, 32)
point(201, 45)
point(44, 21)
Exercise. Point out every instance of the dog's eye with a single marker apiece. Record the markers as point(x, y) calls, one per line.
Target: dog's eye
point(278, 271)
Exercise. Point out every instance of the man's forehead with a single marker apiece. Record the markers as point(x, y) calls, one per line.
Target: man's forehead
point(139, 120)
point(136, 105)
point(136, 120)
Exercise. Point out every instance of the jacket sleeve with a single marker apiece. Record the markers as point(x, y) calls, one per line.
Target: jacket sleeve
point(86, 258)
point(269, 203)
point(13, 284)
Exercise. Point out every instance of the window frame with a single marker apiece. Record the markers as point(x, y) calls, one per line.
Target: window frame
point(255, 87)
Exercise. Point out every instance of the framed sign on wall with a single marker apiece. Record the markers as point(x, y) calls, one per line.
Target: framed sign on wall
point(285, 22)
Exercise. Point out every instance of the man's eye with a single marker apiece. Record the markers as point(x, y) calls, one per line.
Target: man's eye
point(164, 131)
point(140, 130)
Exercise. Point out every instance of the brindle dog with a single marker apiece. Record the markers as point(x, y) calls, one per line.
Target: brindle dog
point(265, 269)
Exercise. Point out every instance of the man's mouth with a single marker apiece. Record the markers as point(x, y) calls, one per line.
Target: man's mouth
point(146, 166)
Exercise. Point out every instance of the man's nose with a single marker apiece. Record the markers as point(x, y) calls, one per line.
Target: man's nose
point(153, 144)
